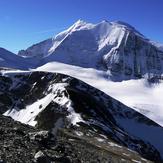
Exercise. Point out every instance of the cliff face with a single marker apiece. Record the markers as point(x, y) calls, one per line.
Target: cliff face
point(135, 57)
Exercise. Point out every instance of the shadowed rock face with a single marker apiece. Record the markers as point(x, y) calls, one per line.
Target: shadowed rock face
point(134, 58)
point(101, 120)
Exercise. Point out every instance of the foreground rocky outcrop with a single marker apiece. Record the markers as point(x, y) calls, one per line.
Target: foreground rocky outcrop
point(24, 144)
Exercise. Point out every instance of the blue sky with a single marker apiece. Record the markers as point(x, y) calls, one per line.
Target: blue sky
point(25, 22)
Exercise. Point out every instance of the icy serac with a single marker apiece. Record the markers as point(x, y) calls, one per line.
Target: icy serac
point(115, 47)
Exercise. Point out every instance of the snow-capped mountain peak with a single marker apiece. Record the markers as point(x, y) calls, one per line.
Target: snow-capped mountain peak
point(123, 24)
point(96, 36)
point(47, 47)
point(114, 46)
point(80, 24)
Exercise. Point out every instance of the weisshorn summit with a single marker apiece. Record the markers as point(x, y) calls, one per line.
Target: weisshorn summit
point(114, 47)
point(92, 93)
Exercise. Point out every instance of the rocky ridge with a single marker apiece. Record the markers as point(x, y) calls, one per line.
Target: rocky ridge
point(78, 108)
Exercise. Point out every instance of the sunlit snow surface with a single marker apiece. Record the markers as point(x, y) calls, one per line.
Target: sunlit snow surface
point(138, 94)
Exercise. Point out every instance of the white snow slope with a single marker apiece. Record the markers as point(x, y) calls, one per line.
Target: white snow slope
point(30, 112)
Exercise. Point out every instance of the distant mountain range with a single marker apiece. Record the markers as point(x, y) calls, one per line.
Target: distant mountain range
point(65, 83)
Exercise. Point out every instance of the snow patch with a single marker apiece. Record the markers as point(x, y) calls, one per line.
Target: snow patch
point(79, 133)
point(99, 139)
point(28, 114)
